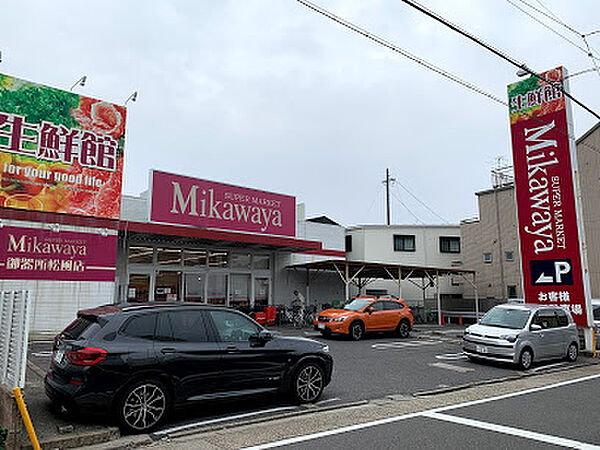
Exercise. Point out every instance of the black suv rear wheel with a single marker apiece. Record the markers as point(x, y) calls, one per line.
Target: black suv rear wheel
point(143, 405)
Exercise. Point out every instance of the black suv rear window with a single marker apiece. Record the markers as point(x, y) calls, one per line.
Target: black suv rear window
point(140, 326)
point(81, 328)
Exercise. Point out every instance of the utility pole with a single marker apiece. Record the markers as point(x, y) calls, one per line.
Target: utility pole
point(387, 182)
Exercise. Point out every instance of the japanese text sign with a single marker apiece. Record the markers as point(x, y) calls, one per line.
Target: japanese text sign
point(544, 162)
point(59, 151)
point(34, 254)
point(182, 200)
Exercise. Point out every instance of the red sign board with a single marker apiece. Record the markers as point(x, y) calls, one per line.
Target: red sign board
point(182, 200)
point(544, 163)
point(34, 254)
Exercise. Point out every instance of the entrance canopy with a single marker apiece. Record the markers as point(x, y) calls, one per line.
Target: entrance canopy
point(363, 272)
point(172, 234)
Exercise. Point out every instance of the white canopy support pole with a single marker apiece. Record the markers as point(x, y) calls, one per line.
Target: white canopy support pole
point(392, 277)
point(399, 282)
point(307, 286)
point(347, 281)
point(439, 300)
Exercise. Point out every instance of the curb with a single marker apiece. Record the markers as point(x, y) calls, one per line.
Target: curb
point(306, 410)
point(498, 380)
point(81, 439)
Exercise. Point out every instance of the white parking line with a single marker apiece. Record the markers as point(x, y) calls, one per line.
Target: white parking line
point(221, 419)
point(452, 356)
point(360, 426)
point(532, 435)
point(402, 344)
point(446, 366)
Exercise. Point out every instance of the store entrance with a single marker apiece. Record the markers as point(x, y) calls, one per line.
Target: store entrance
point(138, 289)
point(167, 286)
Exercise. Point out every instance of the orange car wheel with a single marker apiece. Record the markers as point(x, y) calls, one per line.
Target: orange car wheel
point(357, 331)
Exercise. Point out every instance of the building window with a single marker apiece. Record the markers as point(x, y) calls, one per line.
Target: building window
point(449, 244)
point(487, 258)
point(168, 256)
point(240, 261)
point(404, 243)
point(348, 243)
point(510, 256)
point(511, 291)
point(218, 259)
point(139, 254)
point(261, 262)
point(193, 258)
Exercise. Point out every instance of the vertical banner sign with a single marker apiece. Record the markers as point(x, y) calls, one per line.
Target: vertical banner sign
point(59, 151)
point(544, 164)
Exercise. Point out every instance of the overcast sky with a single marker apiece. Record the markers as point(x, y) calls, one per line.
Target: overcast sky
point(271, 95)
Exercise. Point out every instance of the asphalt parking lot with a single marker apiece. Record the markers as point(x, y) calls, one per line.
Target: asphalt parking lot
point(558, 415)
point(378, 367)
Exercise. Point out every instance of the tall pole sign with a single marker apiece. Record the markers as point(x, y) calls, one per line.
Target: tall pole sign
point(550, 224)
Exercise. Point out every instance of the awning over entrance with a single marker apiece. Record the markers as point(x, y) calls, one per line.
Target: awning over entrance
point(142, 231)
point(363, 272)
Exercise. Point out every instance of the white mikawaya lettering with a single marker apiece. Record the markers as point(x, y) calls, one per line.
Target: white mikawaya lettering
point(183, 204)
point(31, 245)
point(539, 158)
point(204, 203)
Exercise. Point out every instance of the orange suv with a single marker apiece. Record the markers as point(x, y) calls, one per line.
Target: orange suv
point(365, 314)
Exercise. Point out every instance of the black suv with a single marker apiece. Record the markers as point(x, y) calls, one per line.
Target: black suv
point(139, 361)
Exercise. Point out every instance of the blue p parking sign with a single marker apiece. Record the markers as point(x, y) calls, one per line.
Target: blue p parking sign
point(551, 272)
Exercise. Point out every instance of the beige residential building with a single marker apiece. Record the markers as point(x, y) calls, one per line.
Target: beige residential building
point(490, 242)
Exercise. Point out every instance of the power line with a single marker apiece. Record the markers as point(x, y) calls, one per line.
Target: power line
point(422, 203)
point(432, 67)
point(562, 36)
point(407, 208)
point(491, 48)
point(401, 51)
point(588, 50)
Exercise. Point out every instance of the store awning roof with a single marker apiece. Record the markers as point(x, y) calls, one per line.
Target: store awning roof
point(171, 234)
point(366, 269)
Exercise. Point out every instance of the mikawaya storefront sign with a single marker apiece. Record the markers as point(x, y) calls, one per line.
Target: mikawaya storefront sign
point(40, 254)
point(181, 200)
point(550, 225)
point(59, 151)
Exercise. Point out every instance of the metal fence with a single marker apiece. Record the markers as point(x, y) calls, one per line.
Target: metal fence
point(15, 307)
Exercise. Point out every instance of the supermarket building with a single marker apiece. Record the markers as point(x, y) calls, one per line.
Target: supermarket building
point(137, 258)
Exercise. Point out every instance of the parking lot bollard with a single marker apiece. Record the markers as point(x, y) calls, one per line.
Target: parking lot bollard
point(26, 419)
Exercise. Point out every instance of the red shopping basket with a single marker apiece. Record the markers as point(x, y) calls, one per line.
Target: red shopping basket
point(271, 314)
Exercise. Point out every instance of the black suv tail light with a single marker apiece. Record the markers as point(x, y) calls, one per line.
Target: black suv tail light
point(87, 356)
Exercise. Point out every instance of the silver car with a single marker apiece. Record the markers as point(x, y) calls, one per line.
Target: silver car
point(521, 334)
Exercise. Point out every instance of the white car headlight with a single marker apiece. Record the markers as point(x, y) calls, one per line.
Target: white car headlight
point(325, 349)
point(340, 319)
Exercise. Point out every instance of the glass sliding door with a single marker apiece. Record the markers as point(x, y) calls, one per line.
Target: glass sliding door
point(240, 291)
point(194, 287)
point(261, 292)
point(167, 286)
point(216, 288)
point(138, 289)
